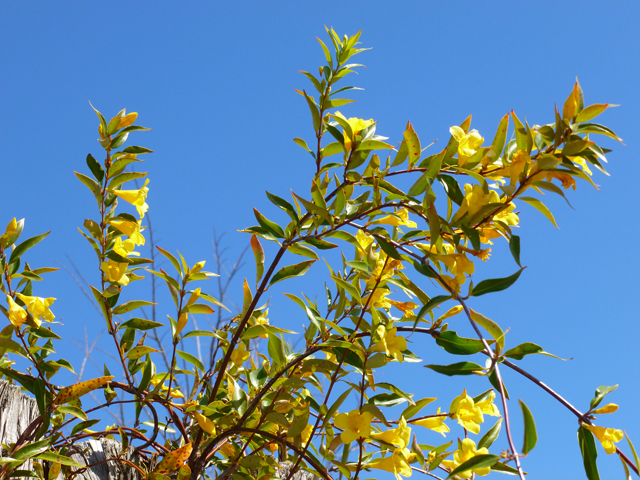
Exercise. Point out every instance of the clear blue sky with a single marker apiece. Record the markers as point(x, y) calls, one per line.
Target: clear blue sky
point(216, 83)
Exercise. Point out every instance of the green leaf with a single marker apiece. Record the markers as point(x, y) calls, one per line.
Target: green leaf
point(373, 145)
point(452, 343)
point(291, 271)
point(530, 435)
point(199, 308)
point(304, 145)
point(388, 248)
point(600, 394)
point(340, 283)
point(26, 245)
point(103, 122)
point(138, 352)
point(137, 150)
point(132, 305)
point(82, 425)
point(541, 207)
point(92, 185)
point(501, 135)
point(268, 225)
point(315, 209)
point(461, 368)
point(119, 140)
point(33, 449)
point(514, 246)
point(125, 177)
point(592, 111)
point(633, 450)
point(75, 411)
point(258, 253)
point(172, 259)
point(387, 399)
point(589, 453)
point(528, 348)
point(201, 333)
point(413, 145)
point(284, 205)
point(54, 457)
point(412, 410)
point(140, 324)
point(479, 461)
point(433, 303)
point(495, 284)
point(492, 327)
point(96, 168)
point(191, 359)
point(491, 435)
point(315, 114)
point(298, 249)
point(11, 346)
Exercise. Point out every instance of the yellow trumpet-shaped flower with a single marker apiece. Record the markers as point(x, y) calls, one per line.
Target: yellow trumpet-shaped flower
point(240, 354)
point(355, 424)
point(467, 452)
point(38, 307)
point(357, 125)
point(470, 414)
point(17, 314)
point(129, 228)
point(607, 436)
point(403, 213)
point(124, 248)
point(137, 198)
point(474, 199)
point(434, 423)
point(389, 343)
point(405, 307)
point(400, 436)
point(468, 143)
point(115, 272)
point(397, 463)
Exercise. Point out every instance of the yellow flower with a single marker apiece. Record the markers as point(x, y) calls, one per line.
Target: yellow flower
point(389, 343)
point(38, 307)
point(240, 354)
point(129, 228)
point(450, 283)
point(470, 414)
point(175, 392)
point(115, 272)
point(566, 179)
point(434, 423)
point(475, 199)
point(355, 424)
point(608, 408)
point(357, 125)
point(125, 248)
point(467, 452)
point(459, 265)
point(403, 213)
point(135, 197)
point(17, 314)
point(405, 307)
point(205, 424)
point(607, 436)
point(400, 437)
point(468, 143)
point(364, 239)
point(397, 463)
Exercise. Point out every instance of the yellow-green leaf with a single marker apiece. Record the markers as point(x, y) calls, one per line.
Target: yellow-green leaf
point(76, 391)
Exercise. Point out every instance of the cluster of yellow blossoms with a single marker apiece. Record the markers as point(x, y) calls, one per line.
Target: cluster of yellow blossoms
point(37, 307)
point(356, 425)
point(116, 272)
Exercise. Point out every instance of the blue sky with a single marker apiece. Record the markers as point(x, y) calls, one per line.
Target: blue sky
point(216, 83)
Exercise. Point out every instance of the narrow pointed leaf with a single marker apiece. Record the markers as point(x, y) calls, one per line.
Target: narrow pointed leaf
point(495, 284)
point(292, 271)
point(530, 434)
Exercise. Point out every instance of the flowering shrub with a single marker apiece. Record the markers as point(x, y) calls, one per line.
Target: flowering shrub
point(250, 404)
